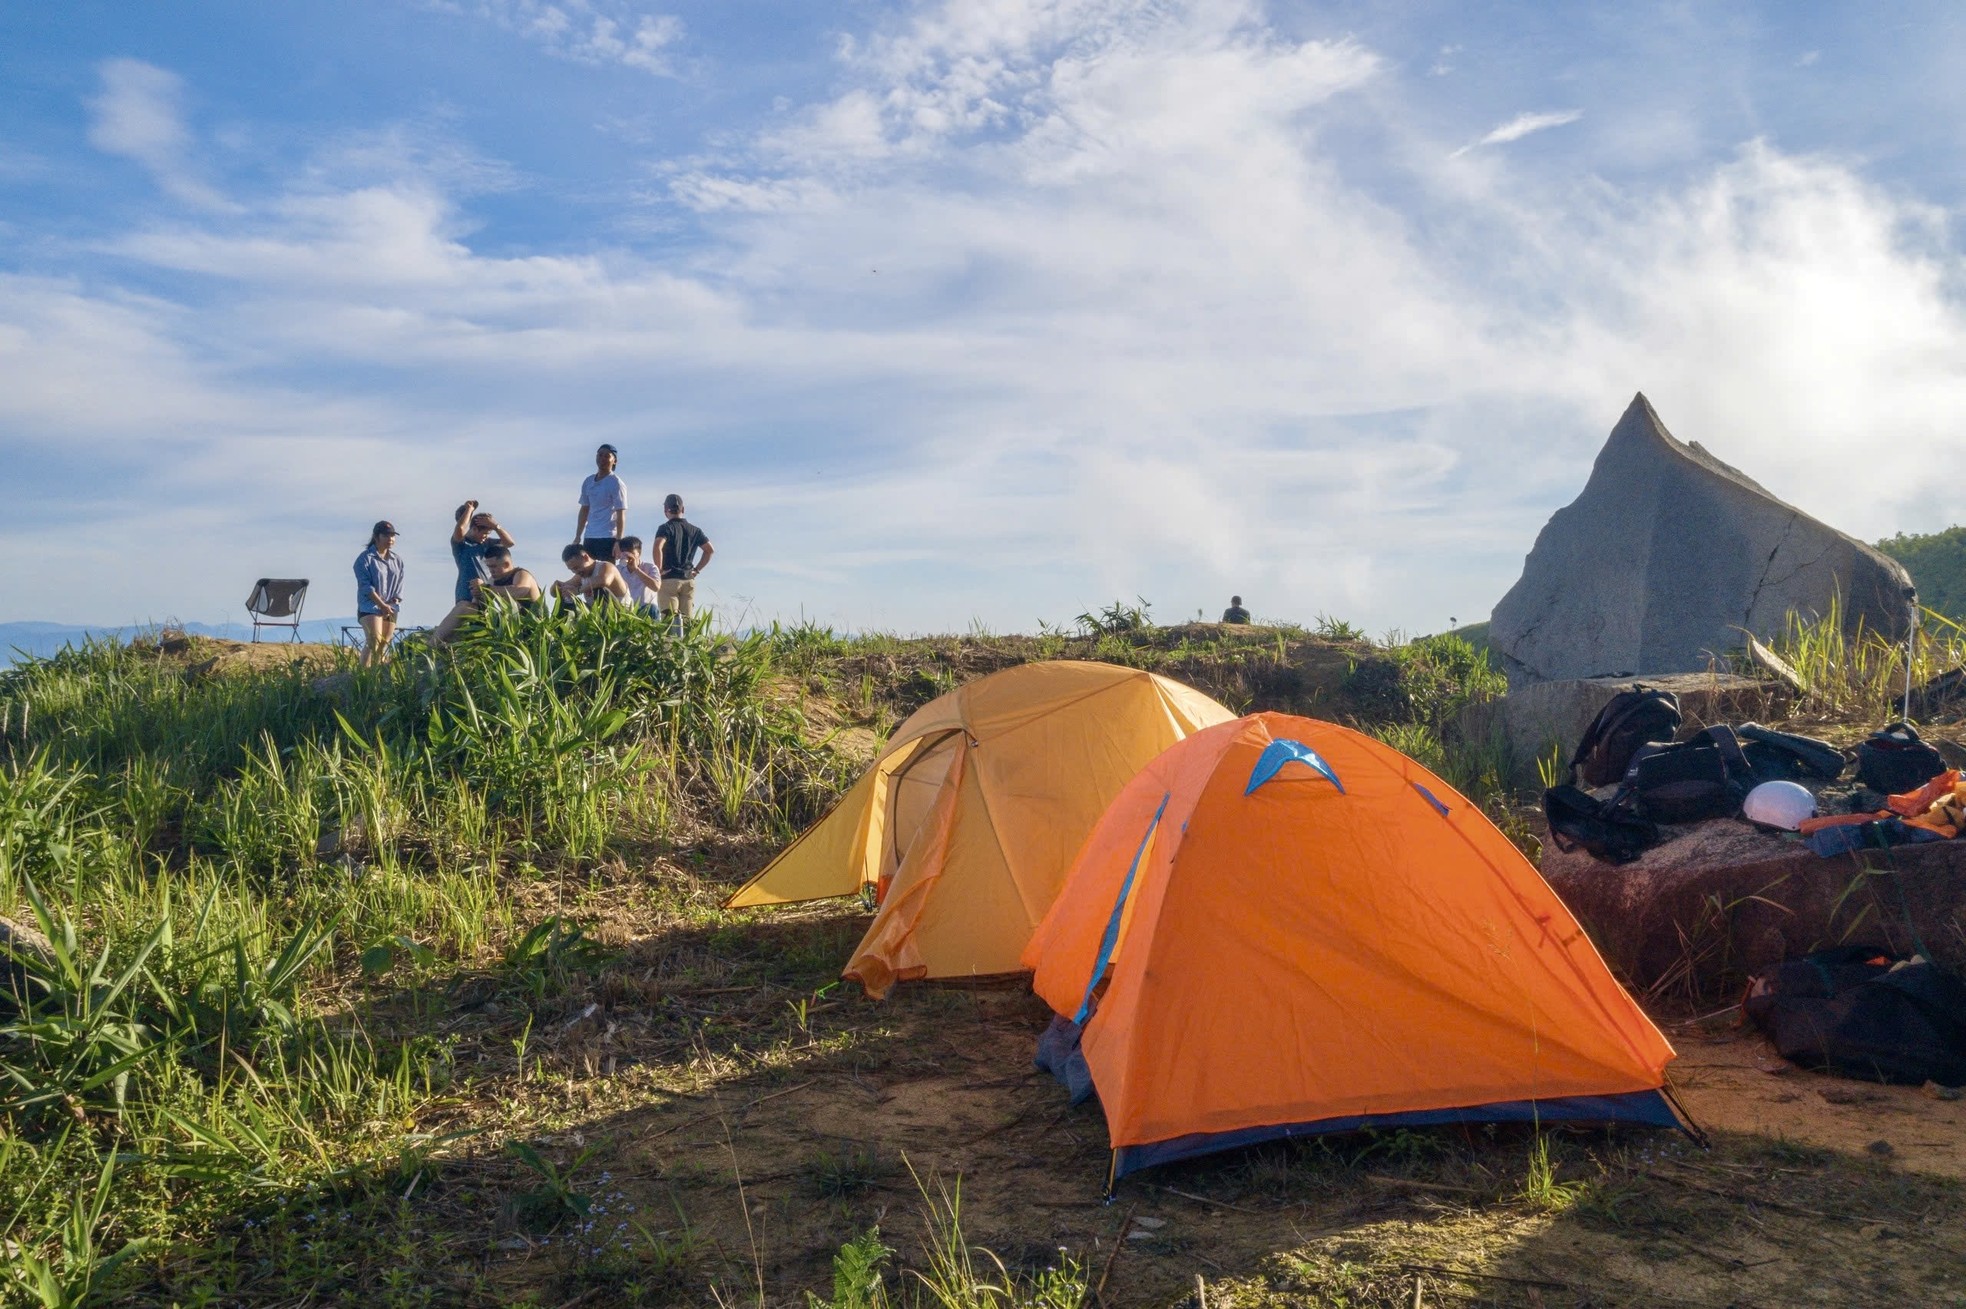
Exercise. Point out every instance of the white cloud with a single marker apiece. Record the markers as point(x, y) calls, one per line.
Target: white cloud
point(139, 115)
point(1522, 125)
point(585, 31)
point(1141, 325)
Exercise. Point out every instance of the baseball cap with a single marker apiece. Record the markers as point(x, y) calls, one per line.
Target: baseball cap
point(672, 501)
point(383, 526)
point(607, 450)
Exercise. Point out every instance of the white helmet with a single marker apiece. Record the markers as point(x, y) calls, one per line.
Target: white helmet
point(1779, 804)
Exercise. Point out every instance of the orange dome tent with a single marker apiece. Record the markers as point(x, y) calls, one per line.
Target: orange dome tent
point(967, 822)
point(1282, 927)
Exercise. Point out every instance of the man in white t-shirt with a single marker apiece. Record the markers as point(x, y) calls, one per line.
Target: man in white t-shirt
point(644, 583)
point(603, 507)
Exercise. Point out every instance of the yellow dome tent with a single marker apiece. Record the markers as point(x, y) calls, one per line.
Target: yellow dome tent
point(967, 822)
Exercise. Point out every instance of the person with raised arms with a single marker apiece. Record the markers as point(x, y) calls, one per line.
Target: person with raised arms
point(470, 538)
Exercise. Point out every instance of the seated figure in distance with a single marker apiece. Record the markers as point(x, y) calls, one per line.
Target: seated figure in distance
point(644, 582)
point(591, 578)
point(1235, 613)
point(502, 584)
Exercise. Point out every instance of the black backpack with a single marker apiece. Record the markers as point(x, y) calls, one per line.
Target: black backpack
point(1606, 830)
point(1895, 760)
point(1785, 756)
point(1630, 720)
point(1851, 1012)
point(1706, 777)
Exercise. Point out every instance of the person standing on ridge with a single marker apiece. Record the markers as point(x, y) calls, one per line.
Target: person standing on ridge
point(1235, 613)
point(470, 538)
point(379, 592)
point(603, 507)
point(676, 544)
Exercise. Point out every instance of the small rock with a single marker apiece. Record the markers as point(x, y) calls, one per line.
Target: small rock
point(1846, 1095)
point(1873, 1232)
point(18, 941)
point(1149, 1222)
point(1882, 1149)
point(1938, 1092)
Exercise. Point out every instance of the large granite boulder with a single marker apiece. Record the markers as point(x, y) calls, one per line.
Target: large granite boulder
point(1532, 720)
point(1667, 556)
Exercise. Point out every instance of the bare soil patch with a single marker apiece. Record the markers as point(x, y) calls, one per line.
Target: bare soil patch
point(759, 1118)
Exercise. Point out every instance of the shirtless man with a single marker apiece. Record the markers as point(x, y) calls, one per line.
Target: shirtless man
point(591, 577)
point(503, 584)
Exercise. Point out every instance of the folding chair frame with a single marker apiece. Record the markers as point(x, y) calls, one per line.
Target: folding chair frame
point(291, 622)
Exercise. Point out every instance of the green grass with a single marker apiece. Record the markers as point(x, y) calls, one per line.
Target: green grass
point(272, 891)
point(1859, 676)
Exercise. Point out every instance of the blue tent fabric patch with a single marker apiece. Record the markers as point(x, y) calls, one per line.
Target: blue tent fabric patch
point(1111, 938)
point(1280, 752)
point(1431, 799)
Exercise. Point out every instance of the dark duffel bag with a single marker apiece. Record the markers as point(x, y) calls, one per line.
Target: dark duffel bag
point(1684, 783)
point(1855, 1012)
point(1895, 760)
point(1611, 832)
point(1786, 756)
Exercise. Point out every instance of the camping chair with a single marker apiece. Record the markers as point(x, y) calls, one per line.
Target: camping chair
point(276, 602)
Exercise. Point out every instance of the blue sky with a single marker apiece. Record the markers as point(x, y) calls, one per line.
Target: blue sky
point(988, 310)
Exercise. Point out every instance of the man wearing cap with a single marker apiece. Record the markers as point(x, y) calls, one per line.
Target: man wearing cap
point(1235, 613)
point(603, 507)
point(379, 592)
point(469, 539)
point(676, 544)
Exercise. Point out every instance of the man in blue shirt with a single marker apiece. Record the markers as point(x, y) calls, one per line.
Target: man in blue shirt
point(471, 536)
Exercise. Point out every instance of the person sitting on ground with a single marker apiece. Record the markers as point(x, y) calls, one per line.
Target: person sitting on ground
point(644, 583)
point(469, 540)
point(603, 507)
point(1235, 613)
point(503, 584)
point(592, 578)
point(676, 544)
point(378, 592)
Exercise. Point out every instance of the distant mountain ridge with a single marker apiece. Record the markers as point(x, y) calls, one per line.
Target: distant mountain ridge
point(38, 640)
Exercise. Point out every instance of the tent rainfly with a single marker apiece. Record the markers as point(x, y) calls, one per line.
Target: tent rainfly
point(965, 825)
point(1283, 927)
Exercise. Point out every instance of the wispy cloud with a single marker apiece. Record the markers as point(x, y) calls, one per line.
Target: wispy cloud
point(1130, 289)
point(1523, 125)
point(139, 115)
point(585, 31)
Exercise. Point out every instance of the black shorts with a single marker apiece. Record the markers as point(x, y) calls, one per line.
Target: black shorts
point(601, 547)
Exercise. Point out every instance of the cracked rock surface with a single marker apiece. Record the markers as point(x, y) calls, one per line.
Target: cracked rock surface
point(1666, 556)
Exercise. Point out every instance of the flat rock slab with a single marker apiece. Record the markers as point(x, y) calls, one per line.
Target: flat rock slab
point(1668, 557)
point(1692, 917)
point(1533, 718)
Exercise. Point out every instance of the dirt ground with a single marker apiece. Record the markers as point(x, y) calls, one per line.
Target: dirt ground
point(1733, 1081)
point(745, 1181)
